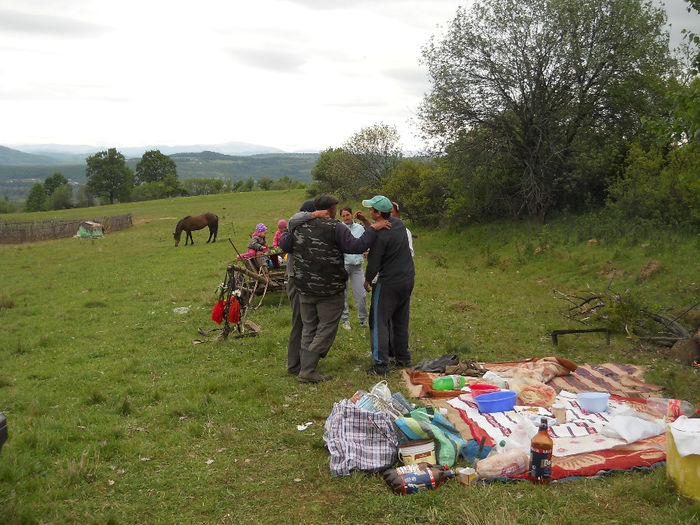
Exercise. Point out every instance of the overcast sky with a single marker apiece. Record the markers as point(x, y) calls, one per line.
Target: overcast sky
point(295, 74)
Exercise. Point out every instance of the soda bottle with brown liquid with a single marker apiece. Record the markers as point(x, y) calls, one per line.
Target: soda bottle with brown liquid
point(541, 455)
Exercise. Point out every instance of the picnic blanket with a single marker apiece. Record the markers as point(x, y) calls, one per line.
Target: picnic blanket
point(585, 451)
point(581, 434)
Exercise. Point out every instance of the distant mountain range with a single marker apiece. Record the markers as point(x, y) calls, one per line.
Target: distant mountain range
point(50, 154)
point(19, 170)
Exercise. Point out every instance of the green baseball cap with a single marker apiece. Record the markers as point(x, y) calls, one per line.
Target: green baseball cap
point(379, 203)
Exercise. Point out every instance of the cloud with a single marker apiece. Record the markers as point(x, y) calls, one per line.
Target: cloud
point(19, 22)
point(271, 59)
point(412, 79)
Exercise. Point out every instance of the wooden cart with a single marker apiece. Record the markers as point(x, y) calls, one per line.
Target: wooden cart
point(247, 282)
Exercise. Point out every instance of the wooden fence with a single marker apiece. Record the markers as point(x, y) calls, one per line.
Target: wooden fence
point(19, 232)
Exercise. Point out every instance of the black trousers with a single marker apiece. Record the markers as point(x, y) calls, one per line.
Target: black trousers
point(388, 319)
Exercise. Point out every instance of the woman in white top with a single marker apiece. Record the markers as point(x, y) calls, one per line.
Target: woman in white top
point(353, 265)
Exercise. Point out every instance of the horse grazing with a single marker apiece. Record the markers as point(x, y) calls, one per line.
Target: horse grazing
point(189, 224)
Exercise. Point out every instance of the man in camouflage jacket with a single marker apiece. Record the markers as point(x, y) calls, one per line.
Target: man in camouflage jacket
point(320, 277)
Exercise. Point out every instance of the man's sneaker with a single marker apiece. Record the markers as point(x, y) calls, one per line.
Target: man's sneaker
point(377, 370)
point(346, 325)
point(363, 323)
point(400, 365)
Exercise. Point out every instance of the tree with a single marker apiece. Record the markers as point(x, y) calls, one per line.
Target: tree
point(203, 186)
point(337, 171)
point(264, 183)
point(154, 166)
point(61, 198)
point(108, 176)
point(36, 200)
point(378, 154)
point(545, 84)
point(53, 182)
point(156, 177)
point(84, 198)
point(420, 188)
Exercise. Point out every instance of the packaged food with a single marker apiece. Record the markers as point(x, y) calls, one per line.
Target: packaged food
point(503, 465)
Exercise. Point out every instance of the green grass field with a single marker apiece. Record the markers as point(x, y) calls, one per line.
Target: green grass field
point(116, 417)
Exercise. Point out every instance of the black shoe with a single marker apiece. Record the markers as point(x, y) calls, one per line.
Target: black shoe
point(400, 365)
point(377, 370)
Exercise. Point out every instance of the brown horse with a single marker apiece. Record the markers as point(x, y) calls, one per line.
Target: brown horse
point(189, 224)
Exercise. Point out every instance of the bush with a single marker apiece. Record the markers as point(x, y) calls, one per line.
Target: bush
point(421, 190)
point(663, 188)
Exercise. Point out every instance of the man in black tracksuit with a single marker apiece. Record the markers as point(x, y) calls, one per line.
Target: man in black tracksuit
point(390, 260)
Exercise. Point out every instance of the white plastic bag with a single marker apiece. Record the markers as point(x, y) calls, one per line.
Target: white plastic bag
point(381, 390)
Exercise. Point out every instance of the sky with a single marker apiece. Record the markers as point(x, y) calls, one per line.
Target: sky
point(298, 75)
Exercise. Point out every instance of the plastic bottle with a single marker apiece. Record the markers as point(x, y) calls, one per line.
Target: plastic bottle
point(451, 382)
point(541, 455)
point(498, 448)
point(410, 479)
point(494, 379)
point(671, 409)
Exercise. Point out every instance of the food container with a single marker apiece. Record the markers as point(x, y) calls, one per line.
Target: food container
point(482, 388)
point(465, 475)
point(684, 470)
point(559, 411)
point(593, 401)
point(501, 401)
point(417, 451)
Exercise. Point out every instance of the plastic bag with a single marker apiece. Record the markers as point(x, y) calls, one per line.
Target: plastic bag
point(537, 395)
point(381, 390)
point(503, 465)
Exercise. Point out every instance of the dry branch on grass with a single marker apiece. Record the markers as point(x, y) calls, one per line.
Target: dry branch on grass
point(625, 313)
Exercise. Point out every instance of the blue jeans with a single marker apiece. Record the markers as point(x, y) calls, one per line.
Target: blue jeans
point(357, 277)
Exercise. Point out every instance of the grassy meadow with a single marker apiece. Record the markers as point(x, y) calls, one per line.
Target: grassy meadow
point(115, 416)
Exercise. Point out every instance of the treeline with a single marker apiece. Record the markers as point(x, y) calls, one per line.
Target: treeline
point(539, 107)
point(110, 179)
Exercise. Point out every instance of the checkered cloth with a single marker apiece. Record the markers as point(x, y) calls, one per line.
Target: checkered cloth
point(358, 439)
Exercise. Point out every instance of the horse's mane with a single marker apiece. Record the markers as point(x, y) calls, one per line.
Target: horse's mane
point(179, 223)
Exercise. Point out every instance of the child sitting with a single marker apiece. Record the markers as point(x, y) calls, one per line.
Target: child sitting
point(281, 228)
point(257, 242)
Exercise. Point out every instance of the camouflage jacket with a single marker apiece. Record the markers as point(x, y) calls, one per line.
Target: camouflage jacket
point(319, 267)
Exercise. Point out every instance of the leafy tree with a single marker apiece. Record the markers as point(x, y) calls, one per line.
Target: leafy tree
point(694, 38)
point(264, 183)
point(36, 200)
point(6, 206)
point(337, 171)
point(658, 187)
point(108, 176)
point(53, 182)
point(421, 189)
point(84, 197)
point(544, 83)
point(247, 184)
point(61, 198)
point(204, 186)
point(378, 154)
point(158, 173)
point(154, 166)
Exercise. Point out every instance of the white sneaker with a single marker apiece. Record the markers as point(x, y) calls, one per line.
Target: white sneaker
point(346, 325)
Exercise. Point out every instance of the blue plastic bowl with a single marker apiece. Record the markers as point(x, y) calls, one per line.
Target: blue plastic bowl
point(593, 401)
point(496, 401)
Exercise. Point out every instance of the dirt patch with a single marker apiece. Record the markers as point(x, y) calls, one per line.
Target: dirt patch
point(649, 270)
point(463, 306)
point(146, 221)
